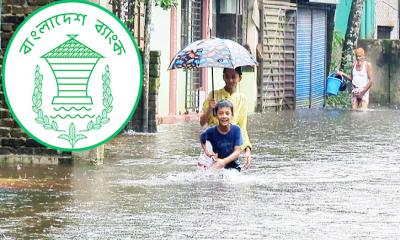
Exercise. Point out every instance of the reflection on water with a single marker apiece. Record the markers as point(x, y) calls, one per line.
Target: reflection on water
point(28, 196)
point(315, 175)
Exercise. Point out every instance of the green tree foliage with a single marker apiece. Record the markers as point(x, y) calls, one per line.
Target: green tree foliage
point(166, 4)
point(337, 43)
point(342, 100)
point(352, 34)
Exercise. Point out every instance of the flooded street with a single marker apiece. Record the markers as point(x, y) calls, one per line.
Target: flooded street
point(320, 174)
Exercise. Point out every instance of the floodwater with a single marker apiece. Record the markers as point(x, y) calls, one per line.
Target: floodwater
point(320, 174)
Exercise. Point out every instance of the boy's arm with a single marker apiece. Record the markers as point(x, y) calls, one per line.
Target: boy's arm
point(203, 145)
point(232, 157)
point(208, 153)
point(203, 139)
point(238, 141)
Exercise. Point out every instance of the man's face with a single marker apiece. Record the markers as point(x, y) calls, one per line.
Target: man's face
point(360, 57)
point(231, 78)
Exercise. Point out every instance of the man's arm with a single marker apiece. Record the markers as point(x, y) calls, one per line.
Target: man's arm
point(205, 116)
point(208, 106)
point(369, 74)
point(242, 123)
point(348, 77)
point(246, 146)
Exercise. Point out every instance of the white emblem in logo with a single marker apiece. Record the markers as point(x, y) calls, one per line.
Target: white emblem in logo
point(72, 75)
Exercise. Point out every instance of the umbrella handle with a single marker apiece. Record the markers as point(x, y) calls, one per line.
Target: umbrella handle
point(212, 82)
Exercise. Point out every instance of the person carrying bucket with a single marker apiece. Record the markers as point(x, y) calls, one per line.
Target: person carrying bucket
point(361, 79)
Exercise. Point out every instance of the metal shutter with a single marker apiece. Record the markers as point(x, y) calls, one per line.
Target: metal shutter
point(318, 59)
point(311, 57)
point(303, 58)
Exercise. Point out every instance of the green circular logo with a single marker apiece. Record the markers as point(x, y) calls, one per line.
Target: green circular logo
point(72, 75)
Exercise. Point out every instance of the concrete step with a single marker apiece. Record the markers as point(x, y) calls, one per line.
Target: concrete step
point(12, 142)
point(66, 160)
point(18, 133)
point(45, 151)
point(8, 122)
point(32, 143)
point(25, 150)
point(7, 150)
point(5, 132)
point(4, 113)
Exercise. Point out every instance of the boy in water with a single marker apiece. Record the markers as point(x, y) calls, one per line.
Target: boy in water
point(225, 139)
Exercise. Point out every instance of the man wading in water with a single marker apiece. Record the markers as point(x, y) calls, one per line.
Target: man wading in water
point(361, 79)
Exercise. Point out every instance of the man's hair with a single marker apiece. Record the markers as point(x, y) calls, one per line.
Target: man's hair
point(221, 104)
point(238, 70)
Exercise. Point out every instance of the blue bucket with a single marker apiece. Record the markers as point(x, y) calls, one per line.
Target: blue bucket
point(333, 84)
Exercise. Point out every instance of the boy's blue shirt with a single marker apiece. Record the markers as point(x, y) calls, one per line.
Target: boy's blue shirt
point(223, 144)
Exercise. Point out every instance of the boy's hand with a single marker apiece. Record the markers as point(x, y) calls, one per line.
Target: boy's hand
point(218, 164)
point(211, 154)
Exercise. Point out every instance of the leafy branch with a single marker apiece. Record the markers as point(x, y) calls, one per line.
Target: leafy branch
point(41, 118)
point(107, 104)
point(72, 137)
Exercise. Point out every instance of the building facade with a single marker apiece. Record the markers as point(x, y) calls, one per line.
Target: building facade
point(277, 27)
point(387, 19)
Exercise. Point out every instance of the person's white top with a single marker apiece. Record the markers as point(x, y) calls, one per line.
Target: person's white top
point(360, 78)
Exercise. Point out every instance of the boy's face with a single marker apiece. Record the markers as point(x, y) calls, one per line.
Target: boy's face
point(224, 116)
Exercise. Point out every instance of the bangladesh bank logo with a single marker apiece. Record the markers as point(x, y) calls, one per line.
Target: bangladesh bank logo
point(72, 75)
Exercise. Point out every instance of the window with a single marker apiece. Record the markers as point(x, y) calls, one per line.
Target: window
point(191, 12)
point(228, 19)
point(384, 32)
point(227, 7)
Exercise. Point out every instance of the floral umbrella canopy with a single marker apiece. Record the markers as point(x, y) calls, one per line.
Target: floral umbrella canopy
point(214, 52)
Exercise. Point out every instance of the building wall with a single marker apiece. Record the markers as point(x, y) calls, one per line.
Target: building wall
point(136, 123)
point(14, 142)
point(367, 30)
point(181, 75)
point(248, 85)
point(160, 40)
point(384, 57)
point(387, 15)
point(278, 41)
point(104, 3)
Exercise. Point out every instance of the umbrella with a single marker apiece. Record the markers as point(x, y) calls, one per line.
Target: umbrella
point(214, 52)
